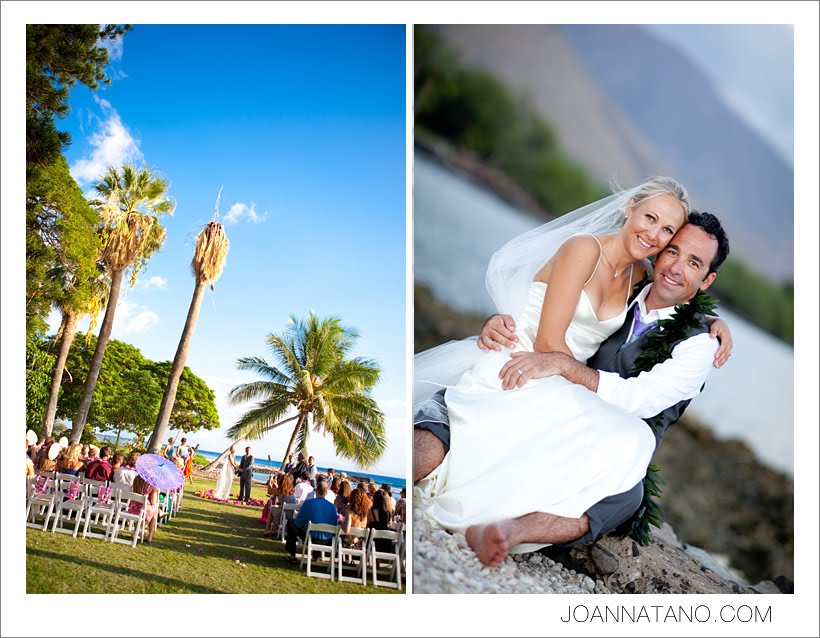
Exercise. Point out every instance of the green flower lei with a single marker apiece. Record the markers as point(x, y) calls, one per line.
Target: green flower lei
point(657, 350)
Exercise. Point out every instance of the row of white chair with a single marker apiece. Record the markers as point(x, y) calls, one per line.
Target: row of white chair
point(113, 507)
point(335, 557)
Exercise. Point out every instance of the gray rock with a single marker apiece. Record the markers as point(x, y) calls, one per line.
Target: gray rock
point(603, 560)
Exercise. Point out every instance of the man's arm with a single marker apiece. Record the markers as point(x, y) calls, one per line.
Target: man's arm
point(676, 379)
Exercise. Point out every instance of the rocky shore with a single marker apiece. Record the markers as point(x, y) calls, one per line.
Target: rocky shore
point(729, 520)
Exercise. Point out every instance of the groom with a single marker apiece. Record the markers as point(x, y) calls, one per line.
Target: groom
point(245, 475)
point(688, 264)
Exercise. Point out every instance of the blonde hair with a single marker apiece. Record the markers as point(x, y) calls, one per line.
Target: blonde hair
point(660, 185)
point(71, 455)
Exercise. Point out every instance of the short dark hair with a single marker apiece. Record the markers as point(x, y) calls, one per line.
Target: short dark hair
point(305, 475)
point(711, 225)
point(321, 488)
point(105, 451)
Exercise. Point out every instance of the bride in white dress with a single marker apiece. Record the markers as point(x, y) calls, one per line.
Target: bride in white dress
point(225, 481)
point(550, 446)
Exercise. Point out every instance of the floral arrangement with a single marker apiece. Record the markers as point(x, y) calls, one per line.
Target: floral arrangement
point(233, 500)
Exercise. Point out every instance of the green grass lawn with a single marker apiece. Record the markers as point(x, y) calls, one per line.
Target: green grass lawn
point(58, 563)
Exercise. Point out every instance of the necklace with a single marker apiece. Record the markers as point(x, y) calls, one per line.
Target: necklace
point(615, 272)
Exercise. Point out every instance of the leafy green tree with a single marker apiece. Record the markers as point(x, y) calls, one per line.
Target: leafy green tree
point(62, 245)
point(315, 378)
point(131, 203)
point(195, 403)
point(129, 389)
point(209, 259)
point(57, 57)
point(38, 367)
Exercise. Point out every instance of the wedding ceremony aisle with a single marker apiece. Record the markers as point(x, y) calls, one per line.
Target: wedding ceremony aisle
point(208, 548)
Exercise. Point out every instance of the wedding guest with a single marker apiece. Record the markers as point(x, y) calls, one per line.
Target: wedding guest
point(42, 451)
point(391, 502)
point(287, 468)
point(379, 517)
point(126, 473)
point(312, 471)
point(356, 511)
point(118, 459)
point(271, 488)
point(170, 453)
point(285, 496)
point(184, 450)
point(70, 462)
point(343, 496)
point(151, 494)
point(29, 462)
point(316, 510)
point(401, 506)
point(303, 487)
point(84, 453)
point(47, 464)
point(188, 472)
point(100, 470)
point(330, 476)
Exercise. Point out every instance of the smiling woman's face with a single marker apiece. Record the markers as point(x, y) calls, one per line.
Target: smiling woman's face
point(650, 225)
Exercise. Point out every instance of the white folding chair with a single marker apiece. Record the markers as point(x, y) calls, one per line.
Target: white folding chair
point(129, 516)
point(358, 550)
point(101, 505)
point(72, 502)
point(391, 576)
point(293, 508)
point(42, 495)
point(327, 552)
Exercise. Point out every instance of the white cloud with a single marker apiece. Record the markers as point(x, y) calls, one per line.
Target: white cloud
point(240, 211)
point(115, 48)
point(133, 319)
point(160, 283)
point(111, 142)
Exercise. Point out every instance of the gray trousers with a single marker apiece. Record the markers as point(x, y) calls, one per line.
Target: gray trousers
point(604, 516)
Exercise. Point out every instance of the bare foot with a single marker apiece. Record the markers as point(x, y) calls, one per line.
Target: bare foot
point(489, 543)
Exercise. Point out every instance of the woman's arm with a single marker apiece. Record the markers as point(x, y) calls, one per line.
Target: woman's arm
point(346, 523)
point(566, 274)
point(719, 329)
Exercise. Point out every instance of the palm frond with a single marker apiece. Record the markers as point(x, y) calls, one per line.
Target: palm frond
point(210, 253)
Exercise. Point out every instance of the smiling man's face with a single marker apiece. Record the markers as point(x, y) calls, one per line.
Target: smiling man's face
point(681, 268)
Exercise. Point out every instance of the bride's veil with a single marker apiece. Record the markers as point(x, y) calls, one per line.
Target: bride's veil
point(510, 272)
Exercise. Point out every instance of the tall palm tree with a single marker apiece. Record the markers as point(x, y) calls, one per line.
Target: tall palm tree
point(209, 259)
point(329, 392)
point(131, 201)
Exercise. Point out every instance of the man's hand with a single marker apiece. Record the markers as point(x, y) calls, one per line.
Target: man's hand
point(524, 366)
point(498, 331)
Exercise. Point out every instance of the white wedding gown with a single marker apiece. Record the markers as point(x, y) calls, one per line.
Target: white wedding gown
point(225, 481)
point(551, 446)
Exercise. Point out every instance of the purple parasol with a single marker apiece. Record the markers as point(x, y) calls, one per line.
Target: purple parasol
point(159, 472)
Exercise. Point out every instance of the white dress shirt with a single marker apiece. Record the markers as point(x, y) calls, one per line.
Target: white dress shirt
point(301, 491)
point(667, 383)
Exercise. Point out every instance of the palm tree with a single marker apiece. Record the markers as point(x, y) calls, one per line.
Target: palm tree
point(209, 259)
point(329, 392)
point(131, 202)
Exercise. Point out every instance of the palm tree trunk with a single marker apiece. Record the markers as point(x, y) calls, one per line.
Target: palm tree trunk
point(302, 417)
point(170, 394)
point(96, 360)
point(69, 330)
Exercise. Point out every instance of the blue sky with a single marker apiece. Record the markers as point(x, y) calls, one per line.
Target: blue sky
point(304, 127)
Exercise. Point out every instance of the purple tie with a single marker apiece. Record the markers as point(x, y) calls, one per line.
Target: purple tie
point(638, 326)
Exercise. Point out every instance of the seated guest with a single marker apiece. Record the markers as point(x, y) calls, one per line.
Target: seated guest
point(330, 496)
point(118, 459)
point(151, 495)
point(71, 463)
point(355, 514)
point(47, 463)
point(379, 517)
point(271, 489)
point(284, 495)
point(100, 470)
point(316, 510)
point(342, 496)
point(84, 453)
point(401, 506)
point(303, 487)
point(42, 451)
point(391, 502)
point(126, 473)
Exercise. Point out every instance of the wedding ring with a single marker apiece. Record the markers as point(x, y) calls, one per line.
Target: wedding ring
point(519, 371)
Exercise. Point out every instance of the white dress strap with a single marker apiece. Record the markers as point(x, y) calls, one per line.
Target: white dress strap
point(601, 252)
point(629, 287)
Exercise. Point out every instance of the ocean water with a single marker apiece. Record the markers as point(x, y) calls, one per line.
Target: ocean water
point(394, 482)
